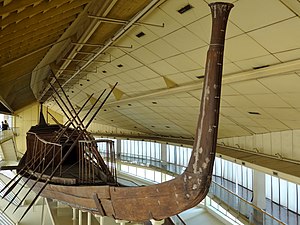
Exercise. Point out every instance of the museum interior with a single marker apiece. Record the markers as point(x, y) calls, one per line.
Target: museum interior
point(142, 112)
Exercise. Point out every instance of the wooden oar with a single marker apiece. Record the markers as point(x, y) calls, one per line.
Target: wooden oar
point(63, 159)
point(85, 135)
point(57, 137)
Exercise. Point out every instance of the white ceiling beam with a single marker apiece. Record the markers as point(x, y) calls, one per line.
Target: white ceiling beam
point(278, 69)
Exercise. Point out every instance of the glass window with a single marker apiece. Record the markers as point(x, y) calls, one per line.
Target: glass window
point(124, 168)
point(150, 175)
point(158, 151)
point(171, 153)
point(157, 176)
point(283, 192)
point(144, 149)
point(136, 148)
point(140, 172)
point(250, 179)
point(131, 148)
point(268, 186)
point(275, 189)
point(218, 167)
point(132, 170)
point(239, 174)
point(140, 148)
point(292, 196)
point(168, 177)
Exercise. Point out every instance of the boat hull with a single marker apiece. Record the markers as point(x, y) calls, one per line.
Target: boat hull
point(131, 203)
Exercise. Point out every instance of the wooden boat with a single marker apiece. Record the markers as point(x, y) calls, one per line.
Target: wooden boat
point(63, 163)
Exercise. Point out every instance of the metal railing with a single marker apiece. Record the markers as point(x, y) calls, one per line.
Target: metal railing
point(242, 207)
point(177, 220)
point(5, 220)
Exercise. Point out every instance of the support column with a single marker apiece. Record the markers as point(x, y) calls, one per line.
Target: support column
point(118, 155)
point(121, 222)
point(119, 145)
point(89, 218)
point(259, 196)
point(157, 222)
point(101, 220)
point(43, 212)
point(80, 217)
point(163, 153)
point(74, 214)
point(259, 189)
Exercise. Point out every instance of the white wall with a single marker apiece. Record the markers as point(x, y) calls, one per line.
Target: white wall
point(286, 143)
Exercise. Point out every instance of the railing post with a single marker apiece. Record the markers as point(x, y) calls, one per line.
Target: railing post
point(122, 222)
point(157, 222)
point(89, 218)
point(80, 218)
point(74, 213)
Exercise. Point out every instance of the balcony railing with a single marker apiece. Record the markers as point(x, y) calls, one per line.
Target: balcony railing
point(238, 205)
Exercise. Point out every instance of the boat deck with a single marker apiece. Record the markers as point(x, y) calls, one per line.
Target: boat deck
point(70, 175)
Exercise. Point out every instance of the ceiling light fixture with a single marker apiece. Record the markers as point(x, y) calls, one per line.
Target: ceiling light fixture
point(260, 67)
point(254, 113)
point(185, 9)
point(141, 34)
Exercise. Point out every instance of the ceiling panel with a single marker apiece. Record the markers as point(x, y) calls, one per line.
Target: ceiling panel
point(184, 40)
point(243, 47)
point(266, 12)
point(282, 84)
point(199, 10)
point(148, 35)
point(145, 56)
point(257, 62)
point(156, 46)
point(267, 100)
point(284, 35)
point(283, 114)
point(250, 87)
point(159, 17)
point(288, 55)
point(146, 73)
point(198, 55)
point(291, 98)
point(163, 67)
point(238, 101)
point(179, 78)
point(271, 124)
point(183, 63)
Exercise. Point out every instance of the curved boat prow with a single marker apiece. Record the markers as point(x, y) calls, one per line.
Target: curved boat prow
point(190, 188)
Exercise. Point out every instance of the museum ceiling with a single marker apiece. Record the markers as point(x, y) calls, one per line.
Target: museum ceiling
point(156, 51)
